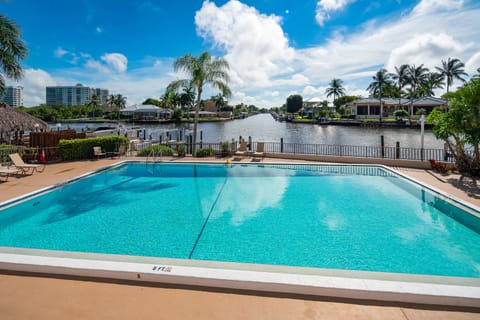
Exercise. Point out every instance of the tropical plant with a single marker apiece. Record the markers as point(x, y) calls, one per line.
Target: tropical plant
point(459, 127)
point(336, 89)
point(93, 103)
point(400, 113)
point(417, 76)
point(381, 80)
point(158, 150)
point(201, 71)
point(187, 97)
point(452, 69)
point(401, 80)
point(294, 103)
point(12, 50)
point(204, 152)
point(433, 80)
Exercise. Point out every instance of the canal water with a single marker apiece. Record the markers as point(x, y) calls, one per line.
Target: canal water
point(263, 127)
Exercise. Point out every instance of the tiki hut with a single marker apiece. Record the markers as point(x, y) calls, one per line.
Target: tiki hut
point(13, 124)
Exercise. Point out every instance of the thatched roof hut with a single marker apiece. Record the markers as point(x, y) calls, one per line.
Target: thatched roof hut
point(14, 122)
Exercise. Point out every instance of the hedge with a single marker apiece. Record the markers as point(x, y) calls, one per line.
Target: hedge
point(78, 149)
point(158, 150)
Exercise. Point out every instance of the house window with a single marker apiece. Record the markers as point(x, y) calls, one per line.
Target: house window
point(362, 110)
point(375, 110)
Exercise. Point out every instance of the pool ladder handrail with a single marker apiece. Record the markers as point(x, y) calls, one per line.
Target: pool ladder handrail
point(154, 154)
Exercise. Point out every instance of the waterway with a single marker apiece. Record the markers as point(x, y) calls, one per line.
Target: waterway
point(263, 127)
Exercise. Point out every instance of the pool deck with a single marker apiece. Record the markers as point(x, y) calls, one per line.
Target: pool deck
point(26, 296)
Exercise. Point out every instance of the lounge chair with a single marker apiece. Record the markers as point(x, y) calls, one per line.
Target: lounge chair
point(121, 151)
point(242, 149)
point(23, 167)
point(97, 152)
point(5, 172)
point(260, 150)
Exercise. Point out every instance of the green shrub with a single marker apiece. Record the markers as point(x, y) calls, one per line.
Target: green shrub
point(78, 149)
point(156, 150)
point(204, 152)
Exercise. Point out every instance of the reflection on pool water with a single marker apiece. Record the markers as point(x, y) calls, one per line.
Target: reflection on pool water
point(322, 216)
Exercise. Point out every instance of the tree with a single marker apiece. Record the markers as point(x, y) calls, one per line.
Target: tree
point(201, 70)
point(401, 80)
point(452, 69)
point(294, 103)
point(93, 103)
point(460, 127)
point(336, 89)
point(187, 97)
point(416, 77)
point(433, 80)
point(381, 80)
point(12, 50)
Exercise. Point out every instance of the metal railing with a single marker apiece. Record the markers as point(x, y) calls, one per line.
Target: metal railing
point(378, 152)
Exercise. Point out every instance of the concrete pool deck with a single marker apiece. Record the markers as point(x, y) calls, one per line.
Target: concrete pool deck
point(29, 296)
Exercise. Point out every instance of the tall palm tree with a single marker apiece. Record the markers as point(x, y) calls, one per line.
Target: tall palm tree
point(187, 97)
point(94, 103)
point(381, 81)
point(111, 101)
point(433, 80)
point(401, 80)
point(201, 70)
point(336, 89)
point(120, 101)
point(417, 76)
point(12, 50)
point(452, 69)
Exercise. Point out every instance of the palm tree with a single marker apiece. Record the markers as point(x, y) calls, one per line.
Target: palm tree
point(417, 76)
point(201, 70)
point(93, 103)
point(452, 69)
point(478, 74)
point(336, 89)
point(111, 101)
point(187, 97)
point(381, 81)
point(12, 50)
point(433, 80)
point(120, 101)
point(401, 80)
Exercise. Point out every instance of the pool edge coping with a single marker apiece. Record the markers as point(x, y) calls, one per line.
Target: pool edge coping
point(215, 274)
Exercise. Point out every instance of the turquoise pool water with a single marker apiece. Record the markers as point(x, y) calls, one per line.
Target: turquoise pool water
point(341, 217)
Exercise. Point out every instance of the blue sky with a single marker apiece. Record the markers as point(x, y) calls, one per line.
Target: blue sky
point(274, 47)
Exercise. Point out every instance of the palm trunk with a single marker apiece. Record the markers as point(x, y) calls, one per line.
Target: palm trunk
point(195, 121)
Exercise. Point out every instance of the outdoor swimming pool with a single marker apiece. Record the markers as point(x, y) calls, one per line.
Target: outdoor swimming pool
point(363, 218)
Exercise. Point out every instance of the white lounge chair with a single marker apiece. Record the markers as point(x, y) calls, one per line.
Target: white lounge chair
point(97, 152)
point(23, 167)
point(260, 150)
point(5, 172)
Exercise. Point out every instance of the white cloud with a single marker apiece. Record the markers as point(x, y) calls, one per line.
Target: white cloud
point(256, 46)
point(34, 83)
point(98, 29)
point(117, 61)
point(473, 64)
point(60, 52)
point(430, 6)
point(324, 7)
point(428, 49)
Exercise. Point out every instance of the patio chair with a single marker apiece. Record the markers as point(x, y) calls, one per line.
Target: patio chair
point(5, 172)
point(121, 151)
point(242, 150)
point(23, 167)
point(97, 152)
point(260, 150)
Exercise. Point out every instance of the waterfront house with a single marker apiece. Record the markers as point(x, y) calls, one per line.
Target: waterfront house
point(371, 108)
point(146, 112)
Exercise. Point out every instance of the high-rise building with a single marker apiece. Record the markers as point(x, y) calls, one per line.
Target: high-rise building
point(78, 95)
point(13, 96)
